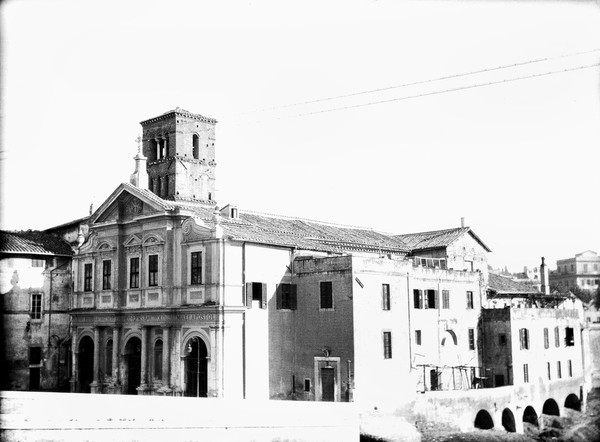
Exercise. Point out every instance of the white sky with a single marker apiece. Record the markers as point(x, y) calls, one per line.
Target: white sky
point(519, 160)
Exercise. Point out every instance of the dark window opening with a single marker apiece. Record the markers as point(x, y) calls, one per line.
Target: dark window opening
point(556, 337)
point(286, 296)
point(524, 338)
point(385, 294)
point(430, 298)
point(418, 337)
point(153, 270)
point(326, 295)
point(570, 368)
point(525, 373)
point(134, 273)
point(417, 295)
point(35, 355)
point(196, 268)
point(471, 339)
point(569, 337)
point(195, 146)
point(307, 385)
point(87, 277)
point(469, 300)
point(502, 339)
point(106, 275)
point(558, 370)
point(256, 291)
point(483, 420)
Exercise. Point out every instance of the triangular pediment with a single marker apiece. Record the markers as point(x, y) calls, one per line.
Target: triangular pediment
point(127, 203)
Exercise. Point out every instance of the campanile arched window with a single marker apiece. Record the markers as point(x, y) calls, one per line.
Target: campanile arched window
point(195, 146)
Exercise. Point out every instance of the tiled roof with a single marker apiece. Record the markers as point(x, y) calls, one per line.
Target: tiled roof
point(33, 243)
point(437, 238)
point(506, 286)
point(309, 235)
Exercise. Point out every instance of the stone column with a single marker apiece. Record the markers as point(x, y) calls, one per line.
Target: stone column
point(95, 385)
point(166, 357)
point(74, 358)
point(158, 149)
point(144, 358)
point(115, 355)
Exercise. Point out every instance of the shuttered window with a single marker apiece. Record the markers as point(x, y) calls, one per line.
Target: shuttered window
point(256, 291)
point(87, 277)
point(286, 296)
point(106, 274)
point(387, 345)
point(417, 295)
point(196, 268)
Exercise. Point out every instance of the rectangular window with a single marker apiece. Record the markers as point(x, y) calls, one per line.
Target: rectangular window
point(546, 338)
point(469, 300)
point(106, 275)
point(549, 371)
point(256, 291)
point(36, 306)
point(417, 295)
point(556, 337)
point(87, 277)
point(134, 273)
point(418, 337)
point(471, 339)
point(286, 297)
point(445, 299)
point(431, 299)
point(524, 338)
point(525, 373)
point(569, 337)
point(326, 295)
point(196, 267)
point(558, 370)
point(153, 270)
point(387, 345)
point(38, 263)
point(502, 339)
point(570, 368)
point(385, 296)
point(307, 385)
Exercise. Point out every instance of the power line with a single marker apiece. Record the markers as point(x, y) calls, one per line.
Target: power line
point(415, 83)
point(471, 86)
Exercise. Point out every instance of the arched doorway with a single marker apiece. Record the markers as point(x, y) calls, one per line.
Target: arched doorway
point(450, 377)
point(85, 364)
point(195, 368)
point(551, 408)
point(530, 416)
point(573, 402)
point(133, 365)
point(484, 421)
point(508, 421)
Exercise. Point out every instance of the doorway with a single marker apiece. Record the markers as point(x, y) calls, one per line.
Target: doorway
point(85, 364)
point(196, 381)
point(327, 384)
point(133, 363)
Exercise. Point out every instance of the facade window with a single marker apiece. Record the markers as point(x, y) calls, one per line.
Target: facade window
point(558, 370)
point(524, 338)
point(387, 345)
point(87, 277)
point(549, 371)
point(469, 300)
point(445, 299)
point(556, 337)
point(525, 373)
point(307, 385)
point(108, 359)
point(418, 337)
point(36, 306)
point(195, 146)
point(106, 274)
point(471, 339)
point(417, 295)
point(286, 297)
point(158, 359)
point(326, 295)
point(570, 368)
point(569, 337)
point(256, 291)
point(502, 339)
point(572, 267)
point(134, 273)
point(385, 296)
point(585, 268)
point(38, 263)
point(431, 299)
point(153, 270)
point(196, 268)
point(546, 338)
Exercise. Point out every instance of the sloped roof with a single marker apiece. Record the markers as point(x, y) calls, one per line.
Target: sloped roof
point(32, 242)
point(506, 286)
point(437, 238)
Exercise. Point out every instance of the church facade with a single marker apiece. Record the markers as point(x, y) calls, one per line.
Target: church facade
point(174, 295)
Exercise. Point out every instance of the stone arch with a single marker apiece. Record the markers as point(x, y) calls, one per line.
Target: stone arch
point(508, 420)
point(196, 355)
point(530, 416)
point(484, 420)
point(152, 239)
point(196, 146)
point(551, 408)
point(572, 401)
point(449, 338)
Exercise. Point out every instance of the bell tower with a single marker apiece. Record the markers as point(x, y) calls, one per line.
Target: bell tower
point(180, 148)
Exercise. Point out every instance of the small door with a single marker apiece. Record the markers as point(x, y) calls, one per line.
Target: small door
point(327, 384)
point(433, 378)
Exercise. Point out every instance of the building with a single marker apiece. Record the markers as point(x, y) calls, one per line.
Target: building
point(35, 284)
point(580, 272)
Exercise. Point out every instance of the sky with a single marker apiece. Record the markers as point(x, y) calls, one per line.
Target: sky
point(402, 116)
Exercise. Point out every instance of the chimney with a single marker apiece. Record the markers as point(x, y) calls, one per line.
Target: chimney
point(139, 177)
point(462, 221)
point(544, 278)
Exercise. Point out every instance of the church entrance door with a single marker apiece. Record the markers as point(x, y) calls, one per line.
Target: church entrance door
point(85, 364)
point(133, 361)
point(195, 368)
